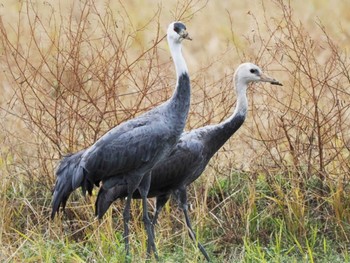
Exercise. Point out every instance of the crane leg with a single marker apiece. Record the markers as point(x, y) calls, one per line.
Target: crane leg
point(143, 189)
point(161, 201)
point(126, 218)
point(182, 197)
point(148, 226)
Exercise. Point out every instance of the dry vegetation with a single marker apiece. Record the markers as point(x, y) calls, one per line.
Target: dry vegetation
point(278, 191)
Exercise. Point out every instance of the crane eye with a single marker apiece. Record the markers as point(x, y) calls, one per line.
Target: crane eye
point(253, 70)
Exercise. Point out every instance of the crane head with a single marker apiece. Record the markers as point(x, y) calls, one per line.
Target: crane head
point(249, 72)
point(177, 31)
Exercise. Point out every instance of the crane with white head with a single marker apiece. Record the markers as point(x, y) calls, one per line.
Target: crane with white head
point(126, 154)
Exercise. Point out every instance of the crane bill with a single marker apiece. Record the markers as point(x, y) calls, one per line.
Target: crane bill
point(265, 78)
point(276, 83)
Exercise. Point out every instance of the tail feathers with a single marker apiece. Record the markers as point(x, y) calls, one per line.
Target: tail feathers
point(64, 186)
point(106, 197)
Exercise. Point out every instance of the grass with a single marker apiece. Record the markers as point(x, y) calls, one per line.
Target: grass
point(271, 231)
point(278, 191)
point(281, 240)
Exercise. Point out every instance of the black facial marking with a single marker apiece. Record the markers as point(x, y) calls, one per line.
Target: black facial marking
point(178, 27)
point(254, 71)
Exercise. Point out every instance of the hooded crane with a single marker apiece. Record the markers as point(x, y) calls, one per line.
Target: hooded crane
point(126, 154)
point(191, 155)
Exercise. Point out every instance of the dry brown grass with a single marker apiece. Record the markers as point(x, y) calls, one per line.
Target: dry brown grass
point(73, 71)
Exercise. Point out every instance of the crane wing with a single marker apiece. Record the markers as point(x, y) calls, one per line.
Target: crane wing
point(122, 150)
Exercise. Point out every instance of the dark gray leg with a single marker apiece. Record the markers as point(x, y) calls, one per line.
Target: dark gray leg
point(126, 217)
point(143, 189)
point(161, 201)
point(181, 195)
point(132, 186)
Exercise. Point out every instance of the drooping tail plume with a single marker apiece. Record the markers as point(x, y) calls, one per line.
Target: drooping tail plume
point(68, 170)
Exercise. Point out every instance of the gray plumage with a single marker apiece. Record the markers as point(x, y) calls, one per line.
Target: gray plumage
point(191, 155)
point(126, 154)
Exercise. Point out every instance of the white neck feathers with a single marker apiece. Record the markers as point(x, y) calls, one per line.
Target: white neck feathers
point(179, 61)
point(242, 101)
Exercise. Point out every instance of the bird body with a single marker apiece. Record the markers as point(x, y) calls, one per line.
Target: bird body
point(126, 154)
point(189, 158)
point(132, 148)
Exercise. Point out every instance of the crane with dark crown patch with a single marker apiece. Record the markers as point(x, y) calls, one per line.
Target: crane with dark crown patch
point(126, 154)
point(191, 155)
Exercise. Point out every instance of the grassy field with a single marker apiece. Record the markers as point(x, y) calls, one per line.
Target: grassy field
point(278, 191)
